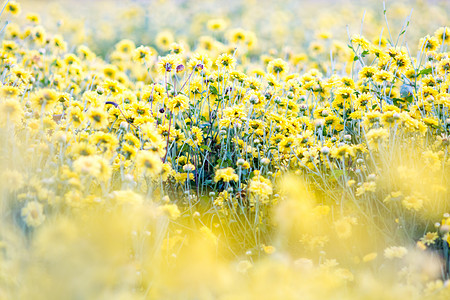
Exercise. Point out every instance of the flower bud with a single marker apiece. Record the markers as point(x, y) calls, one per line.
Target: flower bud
point(325, 150)
point(100, 90)
point(254, 99)
point(265, 161)
point(319, 122)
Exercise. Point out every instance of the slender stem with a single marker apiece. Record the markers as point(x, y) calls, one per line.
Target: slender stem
point(168, 137)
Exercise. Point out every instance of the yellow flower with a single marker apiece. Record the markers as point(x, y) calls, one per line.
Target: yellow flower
point(178, 103)
point(170, 210)
point(376, 136)
point(277, 67)
point(343, 151)
point(9, 45)
point(370, 257)
point(237, 36)
point(94, 166)
point(383, 76)
point(200, 61)
point(361, 41)
point(38, 34)
point(380, 41)
point(412, 203)
point(260, 186)
point(85, 52)
point(443, 35)
point(195, 138)
point(286, 144)
point(226, 61)
point(366, 187)
point(43, 99)
point(429, 238)
point(33, 214)
point(21, 74)
point(13, 8)
point(164, 39)
point(98, 118)
point(127, 197)
point(395, 252)
point(10, 111)
point(112, 86)
point(182, 177)
point(176, 48)
point(209, 235)
point(12, 31)
point(216, 24)
point(343, 98)
point(149, 163)
point(428, 44)
point(143, 54)
point(33, 18)
point(11, 180)
point(168, 64)
point(343, 227)
point(367, 72)
point(166, 172)
point(58, 43)
point(269, 249)
point(125, 46)
point(227, 175)
point(75, 115)
point(364, 100)
point(402, 62)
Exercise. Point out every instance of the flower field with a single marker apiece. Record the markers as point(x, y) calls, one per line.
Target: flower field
point(210, 150)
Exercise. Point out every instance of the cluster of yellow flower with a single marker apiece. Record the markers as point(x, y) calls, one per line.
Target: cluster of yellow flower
point(156, 155)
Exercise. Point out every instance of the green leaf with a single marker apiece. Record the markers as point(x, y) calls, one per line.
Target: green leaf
point(213, 90)
point(425, 71)
point(204, 147)
point(397, 100)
